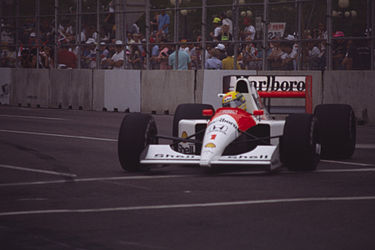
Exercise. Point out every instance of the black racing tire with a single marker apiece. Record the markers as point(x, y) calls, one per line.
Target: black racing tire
point(188, 111)
point(298, 146)
point(337, 130)
point(136, 132)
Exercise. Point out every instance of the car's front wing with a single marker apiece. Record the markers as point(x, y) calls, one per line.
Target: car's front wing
point(262, 155)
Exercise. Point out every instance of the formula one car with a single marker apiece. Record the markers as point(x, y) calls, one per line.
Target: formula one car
point(239, 133)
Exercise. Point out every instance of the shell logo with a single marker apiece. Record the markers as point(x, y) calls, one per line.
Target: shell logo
point(210, 145)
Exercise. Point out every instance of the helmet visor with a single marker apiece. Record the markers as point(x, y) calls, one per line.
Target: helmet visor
point(233, 103)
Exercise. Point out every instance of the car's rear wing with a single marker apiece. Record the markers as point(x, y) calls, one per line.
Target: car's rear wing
point(286, 92)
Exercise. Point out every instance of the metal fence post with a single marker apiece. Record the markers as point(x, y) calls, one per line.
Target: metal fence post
point(372, 6)
point(265, 34)
point(329, 33)
point(37, 31)
point(148, 51)
point(299, 37)
point(176, 33)
point(204, 27)
point(235, 32)
point(98, 58)
point(56, 27)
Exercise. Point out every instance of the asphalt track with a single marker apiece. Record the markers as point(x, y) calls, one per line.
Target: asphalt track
point(62, 187)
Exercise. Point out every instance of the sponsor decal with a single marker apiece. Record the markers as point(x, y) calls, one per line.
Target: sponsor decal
point(210, 145)
point(218, 128)
point(184, 134)
point(175, 156)
point(273, 83)
point(223, 120)
point(227, 98)
point(229, 111)
point(213, 137)
point(246, 157)
point(186, 148)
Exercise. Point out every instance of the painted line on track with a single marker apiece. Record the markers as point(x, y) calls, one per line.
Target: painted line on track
point(349, 163)
point(33, 117)
point(192, 205)
point(38, 171)
point(58, 135)
point(120, 178)
point(365, 146)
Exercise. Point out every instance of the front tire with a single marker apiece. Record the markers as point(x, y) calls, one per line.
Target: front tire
point(298, 146)
point(136, 132)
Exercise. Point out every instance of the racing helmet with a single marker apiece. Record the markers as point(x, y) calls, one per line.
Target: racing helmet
point(234, 99)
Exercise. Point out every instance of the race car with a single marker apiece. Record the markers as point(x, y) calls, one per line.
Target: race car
point(240, 133)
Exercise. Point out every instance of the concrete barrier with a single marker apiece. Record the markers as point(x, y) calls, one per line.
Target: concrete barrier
point(30, 87)
point(163, 90)
point(71, 89)
point(356, 88)
point(117, 90)
point(5, 85)
point(211, 82)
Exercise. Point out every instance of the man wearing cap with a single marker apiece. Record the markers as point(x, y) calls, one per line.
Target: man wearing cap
point(217, 31)
point(89, 54)
point(117, 60)
point(213, 62)
point(339, 50)
point(249, 31)
point(104, 54)
point(221, 53)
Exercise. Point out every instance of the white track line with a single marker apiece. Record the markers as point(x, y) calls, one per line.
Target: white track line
point(33, 117)
point(119, 178)
point(349, 163)
point(38, 171)
point(365, 146)
point(93, 180)
point(193, 205)
point(58, 135)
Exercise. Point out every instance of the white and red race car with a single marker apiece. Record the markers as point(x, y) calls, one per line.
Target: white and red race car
point(232, 136)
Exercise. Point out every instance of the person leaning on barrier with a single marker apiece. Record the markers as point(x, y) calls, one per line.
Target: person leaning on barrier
point(228, 62)
point(213, 62)
point(117, 60)
point(184, 60)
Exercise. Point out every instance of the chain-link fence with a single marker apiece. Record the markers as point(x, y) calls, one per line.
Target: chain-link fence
point(188, 34)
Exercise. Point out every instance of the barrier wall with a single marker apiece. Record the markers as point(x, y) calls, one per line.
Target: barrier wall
point(356, 88)
point(71, 89)
point(117, 90)
point(30, 87)
point(5, 85)
point(163, 90)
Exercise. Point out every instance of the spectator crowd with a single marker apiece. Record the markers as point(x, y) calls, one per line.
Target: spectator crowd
point(94, 48)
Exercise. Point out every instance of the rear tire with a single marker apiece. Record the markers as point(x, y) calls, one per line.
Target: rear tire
point(136, 132)
point(298, 147)
point(337, 130)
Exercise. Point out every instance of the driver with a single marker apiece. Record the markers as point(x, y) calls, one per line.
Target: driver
point(234, 99)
